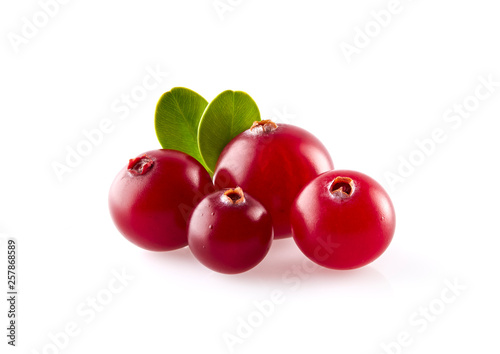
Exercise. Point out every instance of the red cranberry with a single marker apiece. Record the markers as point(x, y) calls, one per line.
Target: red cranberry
point(343, 220)
point(230, 232)
point(272, 162)
point(152, 198)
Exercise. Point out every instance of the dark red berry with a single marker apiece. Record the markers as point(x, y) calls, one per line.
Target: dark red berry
point(152, 198)
point(343, 220)
point(272, 162)
point(230, 232)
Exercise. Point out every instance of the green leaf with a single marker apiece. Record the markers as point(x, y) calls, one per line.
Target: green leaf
point(229, 114)
point(177, 118)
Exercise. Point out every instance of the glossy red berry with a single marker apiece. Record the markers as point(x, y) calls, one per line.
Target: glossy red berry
point(343, 220)
point(152, 198)
point(230, 232)
point(272, 162)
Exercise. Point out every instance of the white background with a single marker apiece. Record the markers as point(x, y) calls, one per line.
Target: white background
point(367, 108)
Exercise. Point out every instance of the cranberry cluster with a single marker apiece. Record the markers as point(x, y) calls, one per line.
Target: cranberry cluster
point(271, 181)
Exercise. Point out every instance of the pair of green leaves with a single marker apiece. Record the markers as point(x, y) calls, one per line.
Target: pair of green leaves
point(184, 121)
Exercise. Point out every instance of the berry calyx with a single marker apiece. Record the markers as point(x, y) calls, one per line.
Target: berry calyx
point(140, 165)
point(234, 196)
point(342, 187)
point(264, 125)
